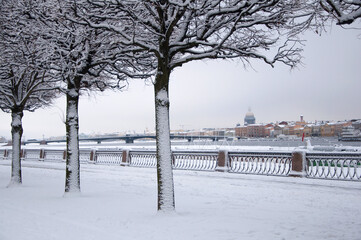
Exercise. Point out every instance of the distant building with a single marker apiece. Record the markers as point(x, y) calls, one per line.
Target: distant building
point(278, 130)
point(356, 124)
point(316, 130)
point(249, 118)
point(284, 123)
point(256, 130)
point(241, 131)
point(301, 122)
point(220, 133)
point(293, 128)
point(308, 130)
point(327, 130)
point(269, 130)
point(333, 128)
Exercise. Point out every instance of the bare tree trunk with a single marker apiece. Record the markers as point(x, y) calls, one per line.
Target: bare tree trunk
point(166, 200)
point(16, 132)
point(72, 181)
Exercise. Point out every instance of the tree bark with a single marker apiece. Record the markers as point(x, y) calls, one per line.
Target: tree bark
point(72, 181)
point(16, 132)
point(166, 200)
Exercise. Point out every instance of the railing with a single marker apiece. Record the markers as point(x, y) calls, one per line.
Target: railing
point(3, 154)
point(334, 166)
point(142, 159)
point(278, 164)
point(84, 155)
point(202, 161)
point(340, 166)
point(53, 155)
point(181, 160)
point(6, 154)
point(108, 157)
point(32, 154)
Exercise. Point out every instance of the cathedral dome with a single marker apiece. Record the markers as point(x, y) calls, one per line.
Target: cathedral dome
point(249, 118)
point(249, 114)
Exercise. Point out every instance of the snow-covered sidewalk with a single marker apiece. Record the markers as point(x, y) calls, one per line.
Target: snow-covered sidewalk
point(120, 203)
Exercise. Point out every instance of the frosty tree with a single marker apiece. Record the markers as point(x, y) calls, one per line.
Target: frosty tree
point(25, 82)
point(84, 59)
point(76, 60)
point(345, 11)
point(176, 32)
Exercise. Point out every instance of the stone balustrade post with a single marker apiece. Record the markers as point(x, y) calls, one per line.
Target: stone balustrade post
point(22, 154)
point(125, 158)
point(64, 156)
point(223, 161)
point(93, 156)
point(173, 160)
point(42, 155)
point(298, 164)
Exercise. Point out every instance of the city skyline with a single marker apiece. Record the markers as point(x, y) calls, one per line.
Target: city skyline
point(218, 94)
point(201, 128)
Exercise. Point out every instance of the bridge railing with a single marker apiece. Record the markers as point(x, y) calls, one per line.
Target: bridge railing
point(339, 166)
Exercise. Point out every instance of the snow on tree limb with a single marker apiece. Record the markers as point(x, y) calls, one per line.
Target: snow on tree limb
point(344, 11)
point(25, 79)
point(205, 29)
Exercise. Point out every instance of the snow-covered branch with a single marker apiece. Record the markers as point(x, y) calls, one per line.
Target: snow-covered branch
point(24, 71)
point(344, 11)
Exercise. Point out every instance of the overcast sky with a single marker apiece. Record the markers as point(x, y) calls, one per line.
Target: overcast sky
point(219, 93)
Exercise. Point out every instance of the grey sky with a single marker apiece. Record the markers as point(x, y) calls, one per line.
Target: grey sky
point(219, 93)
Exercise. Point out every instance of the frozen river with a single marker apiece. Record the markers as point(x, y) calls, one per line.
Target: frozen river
point(272, 142)
point(256, 143)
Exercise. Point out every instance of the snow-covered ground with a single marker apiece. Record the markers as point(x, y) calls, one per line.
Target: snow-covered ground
point(120, 203)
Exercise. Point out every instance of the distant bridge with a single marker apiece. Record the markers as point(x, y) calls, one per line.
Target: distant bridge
point(127, 139)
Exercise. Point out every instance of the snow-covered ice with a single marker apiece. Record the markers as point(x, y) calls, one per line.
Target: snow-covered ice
point(120, 203)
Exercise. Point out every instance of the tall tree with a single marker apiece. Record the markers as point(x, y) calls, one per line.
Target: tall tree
point(344, 11)
point(25, 80)
point(85, 59)
point(176, 32)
